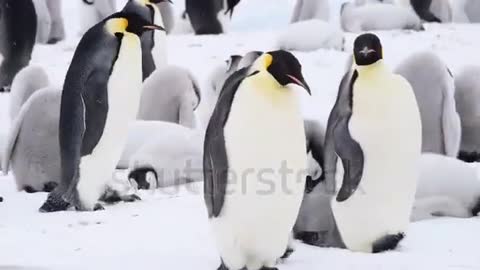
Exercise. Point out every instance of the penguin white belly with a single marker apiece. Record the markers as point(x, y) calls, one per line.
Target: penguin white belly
point(264, 132)
point(124, 87)
point(385, 122)
point(159, 50)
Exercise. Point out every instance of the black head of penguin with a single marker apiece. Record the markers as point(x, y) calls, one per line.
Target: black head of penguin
point(285, 68)
point(134, 23)
point(367, 49)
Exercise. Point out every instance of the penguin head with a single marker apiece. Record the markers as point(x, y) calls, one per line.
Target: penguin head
point(122, 22)
point(367, 50)
point(284, 68)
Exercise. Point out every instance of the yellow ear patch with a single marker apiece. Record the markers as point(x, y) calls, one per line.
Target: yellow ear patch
point(268, 59)
point(117, 25)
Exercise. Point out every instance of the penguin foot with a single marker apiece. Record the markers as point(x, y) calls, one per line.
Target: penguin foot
point(287, 253)
point(388, 242)
point(309, 238)
point(98, 207)
point(53, 41)
point(469, 157)
point(54, 203)
point(1, 199)
point(112, 197)
point(476, 208)
point(29, 189)
point(222, 267)
point(4, 89)
point(50, 186)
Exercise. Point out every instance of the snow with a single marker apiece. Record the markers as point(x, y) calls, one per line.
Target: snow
point(168, 229)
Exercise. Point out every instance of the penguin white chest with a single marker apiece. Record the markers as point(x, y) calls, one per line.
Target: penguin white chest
point(385, 121)
point(124, 87)
point(264, 138)
point(159, 50)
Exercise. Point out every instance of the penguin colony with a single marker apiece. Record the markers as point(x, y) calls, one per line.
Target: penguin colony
point(123, 107)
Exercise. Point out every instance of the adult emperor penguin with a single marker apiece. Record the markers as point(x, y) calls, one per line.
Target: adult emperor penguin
point(170, 94)
point(434, 89)
point(18, 25)
point(207, 16)
point(251, 223)
point(375, 129)
point(467, 98)
point(100, 98)
point(154, 52)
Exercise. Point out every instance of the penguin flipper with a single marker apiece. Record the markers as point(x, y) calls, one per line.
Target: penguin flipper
point(315, 139)
point(215, 160)
point(148, 64)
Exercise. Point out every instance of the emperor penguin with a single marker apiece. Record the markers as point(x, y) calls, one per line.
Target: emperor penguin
point(434, 89)
point(171, 155)
point(27, 81)
point(208, 17)
point(168, 15)
point(378, 16)
point(251, 212)
point(18, 25)
point(32, 148)
point(439, 11)
point(100, 98)
point(170, 94)
point(93, 11)
point(154, 51)
point(375, 129)
point(311, 9)
point(467, 98)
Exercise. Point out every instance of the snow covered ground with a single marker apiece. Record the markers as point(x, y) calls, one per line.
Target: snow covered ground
point(169, 230)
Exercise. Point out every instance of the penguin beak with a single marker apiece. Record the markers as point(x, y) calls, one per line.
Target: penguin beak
point(302, 83)
point(153, 27)
point(366, 51)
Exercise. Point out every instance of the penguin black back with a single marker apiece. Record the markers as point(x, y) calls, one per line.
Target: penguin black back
point(203, 16)
point(18, 28)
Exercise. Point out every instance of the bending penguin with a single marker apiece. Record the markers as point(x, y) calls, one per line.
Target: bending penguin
point(375, 129)
point(18, 25)
point(170, 94)
point(32, 148)
point(378, 16)
point(311, 9)
point(93, 12)
point(252, 226)
point(154, 52)
point(207, 17)
point(434, 89)
point(467, 98)
point(100, 98)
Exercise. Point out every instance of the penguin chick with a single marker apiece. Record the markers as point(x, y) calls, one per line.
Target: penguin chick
point(27, 81)
point(170, 94)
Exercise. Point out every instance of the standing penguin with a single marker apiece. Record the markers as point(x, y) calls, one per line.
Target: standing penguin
point(467, 98)
point(18, 28)
point(434, 89)
point(255, 132)
point(375, 129)
point(154, 52)
point(100, 98)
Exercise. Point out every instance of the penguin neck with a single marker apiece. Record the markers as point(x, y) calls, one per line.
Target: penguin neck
point(375, 68)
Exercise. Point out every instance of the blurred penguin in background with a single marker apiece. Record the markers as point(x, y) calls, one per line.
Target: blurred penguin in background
point(94, 11)
point(18, 28)
point(168, 15)
point(467, 97)
point(434, 89)
point(50, 27)
point(210, 17)
point(311, 9)
point(439, 11)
